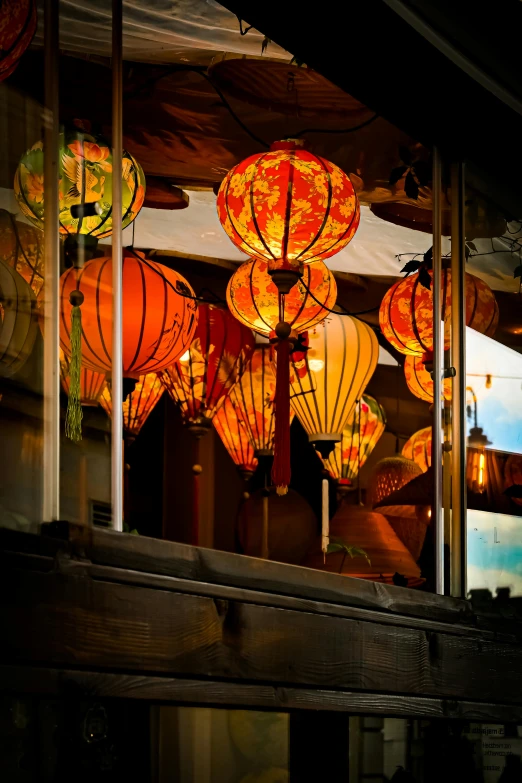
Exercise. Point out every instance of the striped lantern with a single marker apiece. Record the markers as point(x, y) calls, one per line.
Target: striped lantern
point(418, 448)
point(234, 436)
point(419, 380)
point(138, 404)
point(361, 434)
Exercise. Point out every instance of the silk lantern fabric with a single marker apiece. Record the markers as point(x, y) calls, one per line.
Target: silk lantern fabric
point(17, 27)
point(418, 448)
point(288, 206)
point(159, 314)
point(138, 405)
point(419, 380)
point(253, 298)
point(360, 435)
point(234, 436)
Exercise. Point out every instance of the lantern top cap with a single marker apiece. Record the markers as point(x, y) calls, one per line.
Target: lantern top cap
point(288, 144)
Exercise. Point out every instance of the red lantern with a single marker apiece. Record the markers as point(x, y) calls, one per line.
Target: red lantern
point(17, 28)
point(288, 207)
point(207, 371)
point(419, 380)
point(234, 436)
point(406, 313)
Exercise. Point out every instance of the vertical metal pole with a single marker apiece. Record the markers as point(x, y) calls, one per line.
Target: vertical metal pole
point(51, 379)
point(436, 440)
point(458, 404)
point(117, 267)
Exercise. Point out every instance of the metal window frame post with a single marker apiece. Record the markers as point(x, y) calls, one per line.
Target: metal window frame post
point(437, 374)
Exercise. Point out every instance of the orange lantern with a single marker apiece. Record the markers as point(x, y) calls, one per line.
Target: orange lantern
point(234, 437)
point(138, 404)
point(288, 207)
point(91, 382)
point(419, 380)
point(390, 474)
point(159, 314)
point(418, 448)
point(253, 298)
point(360, 435)
point(17, 28)
point(203, 377)
point(406, 313)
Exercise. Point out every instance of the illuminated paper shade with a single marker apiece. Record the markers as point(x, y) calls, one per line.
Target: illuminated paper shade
point(138, 405)
point(92, 382)
point(234, 437)
point(419, 380)
point(418, 448)
point(363, 429)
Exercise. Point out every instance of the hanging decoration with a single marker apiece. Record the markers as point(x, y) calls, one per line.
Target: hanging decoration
point(21, 247)
point(360, 435)
point(204, 375)
point(406, 312)
point(253, 298)
point(92, 383)
point(390, 474)
point(137, 405)
point(288, 207)
point(476, 465)
point(419, 380)
point(17, 27)
point(18, 322)
point(234, 436)
point(418, 448)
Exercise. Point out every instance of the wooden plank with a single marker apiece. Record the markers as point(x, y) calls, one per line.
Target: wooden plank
point(44, 681)
point(76, 621)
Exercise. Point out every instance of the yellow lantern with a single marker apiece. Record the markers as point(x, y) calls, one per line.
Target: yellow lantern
point(363, 429)
point(418, 448)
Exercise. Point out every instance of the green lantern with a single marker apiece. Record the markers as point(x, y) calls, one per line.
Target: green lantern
point(85, 187)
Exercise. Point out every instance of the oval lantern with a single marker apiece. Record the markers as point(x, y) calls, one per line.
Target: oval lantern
point(418, 448)
point(419, 380)
point(253, 298)
point(159, 314)
point(21, 247)
point(360, 435)
point(330, 376)
point(234, 437)
point(137, 405)
point(17, 28)
point(18, 321)
point(203, 377)
point(406, 312)
point(92, 383)
point(288, 207)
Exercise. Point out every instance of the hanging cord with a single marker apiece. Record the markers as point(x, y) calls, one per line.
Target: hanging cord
point(74, 414)
point(335, 130)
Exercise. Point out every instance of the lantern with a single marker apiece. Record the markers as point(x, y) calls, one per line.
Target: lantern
point(406, 312)
point(513, 477)
point(17, 28)
point(21, 247)
point(419, 380)
point(331, 376)
point(137, 405)
point(234, 437)
point(390, 474)
point(289, 208)
point(418, 448)
point(203, 377)
point(85, 190)
point(18, 321)
point(476, 470)
point(253, 298)
point(360, 435)
point(92, 382)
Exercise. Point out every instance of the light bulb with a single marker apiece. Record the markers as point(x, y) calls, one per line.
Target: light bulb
point(316, 365)
point(186, 356)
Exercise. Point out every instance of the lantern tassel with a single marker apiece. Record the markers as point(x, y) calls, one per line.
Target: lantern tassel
point(325, 527)
point(74, 415)
point(281, 468)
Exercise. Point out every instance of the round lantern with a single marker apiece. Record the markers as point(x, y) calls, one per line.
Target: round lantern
point(418, 448)
point(406, 312)
point(137, 405)
point(329, 377)
point(253, 298)
point(390, 474)
point(207, 371)
point(159, 314)
point(17, 28)
point(18, 323)
point(92, 382)
point(21, 247)
point(513, 476)
point(288, 207)
point(85, 191)
point(419, 380)
point(363, 429)
point(234, 437)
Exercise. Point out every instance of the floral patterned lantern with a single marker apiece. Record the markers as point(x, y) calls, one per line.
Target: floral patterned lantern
point(365, 426)
point(17, 28)
point(234, 437)
point(288, 207)
point(92, 383)
point(419, 380)
point(203, 377)
point(138, 404)
point(418, 448)
point(21, 247)
point(406, 312)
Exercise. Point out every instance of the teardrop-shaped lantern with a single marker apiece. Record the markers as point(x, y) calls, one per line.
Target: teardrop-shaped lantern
point(418, 448)
point(360, 435)
point(137, 405)
point(92, 382)
point(207, 371)
point(329, 377)
point(419, 380)
point(234, 437)
point(18, 321)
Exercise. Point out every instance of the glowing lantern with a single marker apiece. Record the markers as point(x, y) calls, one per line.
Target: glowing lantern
point(18, 323)
point(289, 208)
point(513, 477)
point(17, 27)
point(92, 382)
point(235, 438)
point(390, 474)
point(360, 435)
point(253, 298)
point(331, 376)
point(159, 314)
point(21, 247)
point(203, 377)
point(406, 313)
point(476, 468)
point(85, 171)
point(137, 405)
point(418, 448)
point(419, 380)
